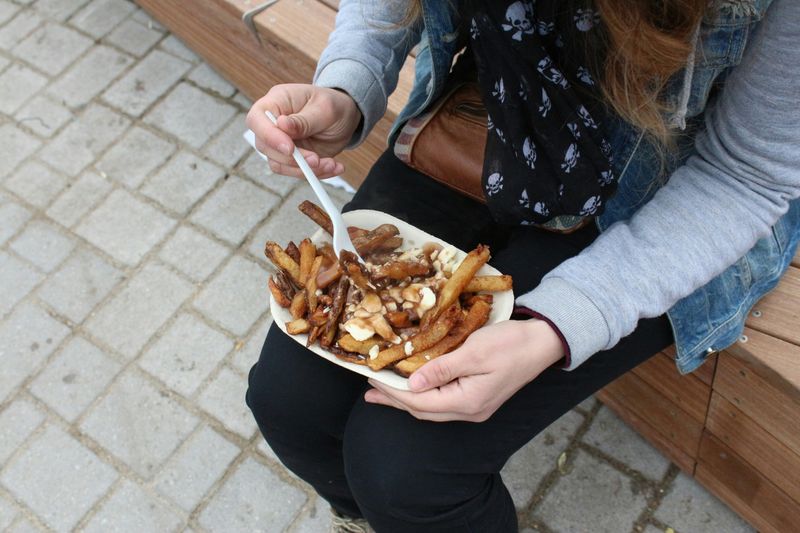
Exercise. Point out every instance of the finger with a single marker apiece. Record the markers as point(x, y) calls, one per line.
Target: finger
point(442, 370)
point(285, 170)
point(441, 400)
point(377, 397)
point(309, 121)
point(266, 132)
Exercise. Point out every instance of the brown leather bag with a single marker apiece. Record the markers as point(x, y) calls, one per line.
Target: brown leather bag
point(448, 141)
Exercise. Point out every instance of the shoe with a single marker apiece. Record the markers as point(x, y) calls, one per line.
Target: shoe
point(346, 524)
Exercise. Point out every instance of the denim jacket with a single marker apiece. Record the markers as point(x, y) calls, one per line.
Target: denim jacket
point(713, 316)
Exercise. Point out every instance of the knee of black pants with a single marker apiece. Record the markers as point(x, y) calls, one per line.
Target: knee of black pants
point(403, 480)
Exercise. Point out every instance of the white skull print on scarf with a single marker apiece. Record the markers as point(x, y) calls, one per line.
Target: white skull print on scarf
point(546, 155)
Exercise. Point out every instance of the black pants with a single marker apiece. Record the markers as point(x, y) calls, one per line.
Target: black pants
point(406, 475)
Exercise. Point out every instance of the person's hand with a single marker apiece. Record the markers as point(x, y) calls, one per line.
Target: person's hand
point(319, 120)
point(473, 381)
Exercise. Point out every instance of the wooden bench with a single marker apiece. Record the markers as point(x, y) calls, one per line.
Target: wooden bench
point(734, 424)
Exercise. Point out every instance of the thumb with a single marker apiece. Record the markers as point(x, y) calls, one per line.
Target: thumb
point(438, 372)
point(304, 124)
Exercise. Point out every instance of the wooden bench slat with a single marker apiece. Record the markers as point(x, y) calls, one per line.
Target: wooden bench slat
point(780, 309)
point(746, 490)
point(775, 412)
point(796, 260)
point(687, 392)
point(747, 438)
point(777, 361)
point(636, 398)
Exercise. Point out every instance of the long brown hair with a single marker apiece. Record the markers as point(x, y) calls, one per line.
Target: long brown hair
point(645, 43)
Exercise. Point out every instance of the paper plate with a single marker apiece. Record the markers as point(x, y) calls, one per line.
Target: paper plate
point(502, 305)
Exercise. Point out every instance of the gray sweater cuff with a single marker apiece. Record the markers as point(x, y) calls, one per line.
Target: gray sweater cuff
point(354, 78)
point(578, 319)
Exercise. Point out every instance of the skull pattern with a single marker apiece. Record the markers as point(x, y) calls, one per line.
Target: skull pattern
point(571, 158)
point(586, 19)
point(494, 184)
point(518, 20)
point(529, 152)
point(547, 69)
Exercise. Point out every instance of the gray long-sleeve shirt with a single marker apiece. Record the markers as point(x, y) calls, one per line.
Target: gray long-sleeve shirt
point(710, 213)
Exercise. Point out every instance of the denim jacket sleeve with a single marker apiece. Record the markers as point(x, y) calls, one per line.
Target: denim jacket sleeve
point(714, 208)
point(364, 55)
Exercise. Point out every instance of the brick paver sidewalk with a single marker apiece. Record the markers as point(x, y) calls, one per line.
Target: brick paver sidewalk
point(132, 304)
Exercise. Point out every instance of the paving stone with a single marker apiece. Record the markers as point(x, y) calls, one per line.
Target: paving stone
point(195, 468)
point(12, 217)
point(52, 48)
point(288, 223)
point(208, 78)
point(58, 9)
point(612, 436)
point(526, 468)
point(101, 16)
point(186, 354)
point(175, 46)
point(44, 477)
point(137, 154)
point(43, 116)
point(35, 183)
point(15, 146)
point(8, 512)
point(79, 285)
point(267, 451)
point(255, 168)
point(17, 84)
point(246, 356)
point(23, 525)
point(83, 140)
point(3, 63)
point(141, 16)
point(143, 441)
point(79, 197)
point(180, 114)
point(17, 422)
point(125, 227)
point(74, 378)
point(235, 298)
point(19, 28)
point(150, 298)
point(146, 82)
point(224, 400)
point(182, 182)
point(131, 510)
point(232, 210)
point(89, 76)
point(16, 279)
point(689, 507)
point(253, 499)
point(243, 101)
point(7, 10)
point(27, 338)
point(193, 253)
point(229, 146)
point(315, 519)
point(134, 37)
point(43, 245)
point(592, 497)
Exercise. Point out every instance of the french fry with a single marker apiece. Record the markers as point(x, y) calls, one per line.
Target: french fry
point(293, 251)
point(311, 286)
point(347, 342)
point(297, 326)
point(489, 284)
point(354, 231)
point(332, 327)
point(347, 356)
point(399, 319)
point(455, 285)
point(280, 298)
point(282, 260)
point(299, 305)
point(285, 284)
point(401, 270)
point(329, 275)
point(313, 334)
point(355, 270)
point(371, 240)
point(476, 317)
point(469, 302)
point(326, 251)
point(317, 214)
point(422, 340)
point(307, 254)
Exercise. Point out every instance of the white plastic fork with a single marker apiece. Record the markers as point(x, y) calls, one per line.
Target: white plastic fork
point(341, 238)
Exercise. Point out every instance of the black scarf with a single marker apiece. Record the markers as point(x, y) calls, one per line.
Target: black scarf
point(545, 152)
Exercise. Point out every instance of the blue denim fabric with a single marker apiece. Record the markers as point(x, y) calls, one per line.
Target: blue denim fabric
point(712, 318)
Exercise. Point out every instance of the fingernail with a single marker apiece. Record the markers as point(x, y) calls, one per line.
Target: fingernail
point(369, 396)
point(285, 149)
point(417, 382)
